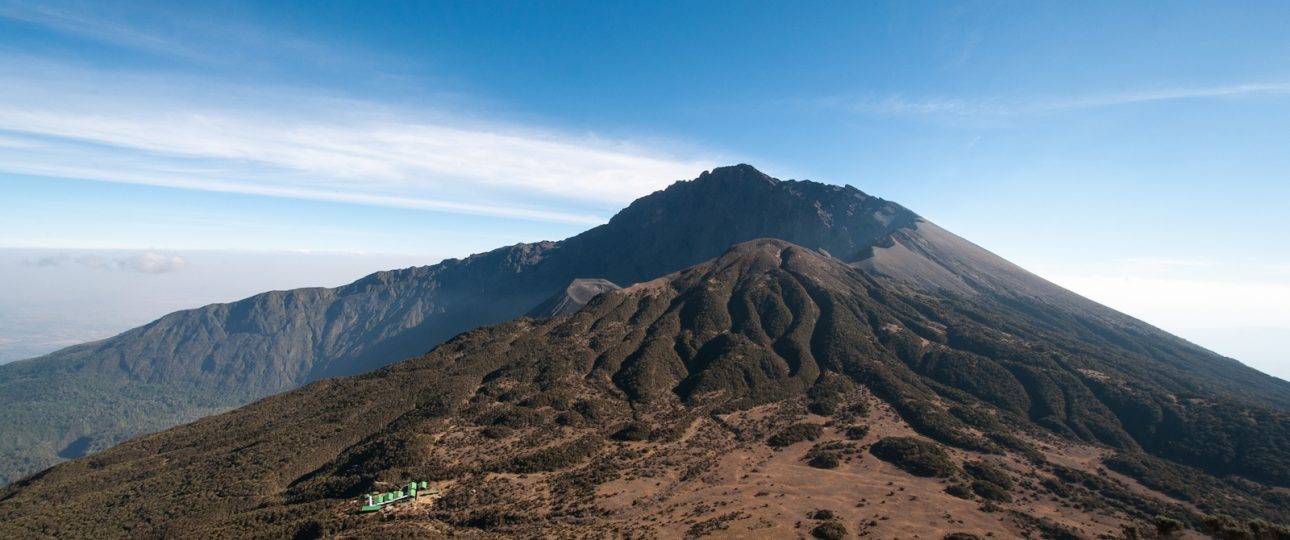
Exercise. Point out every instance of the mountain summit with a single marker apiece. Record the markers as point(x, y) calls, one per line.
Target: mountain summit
point(1154, 391)
point(770, 386)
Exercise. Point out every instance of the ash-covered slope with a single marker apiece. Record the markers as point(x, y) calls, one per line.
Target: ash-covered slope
point(572, 298)
point(978, 418)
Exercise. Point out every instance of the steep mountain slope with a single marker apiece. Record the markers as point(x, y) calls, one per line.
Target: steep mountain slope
point(195, 362)
point(932, 259)
point(674, 406)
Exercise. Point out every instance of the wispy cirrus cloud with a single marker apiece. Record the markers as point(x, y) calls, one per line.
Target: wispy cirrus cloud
point(899, 105)
point(65, 121)
point(221, 131)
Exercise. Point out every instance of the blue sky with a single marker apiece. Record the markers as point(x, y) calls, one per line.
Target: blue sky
point(1135, 152)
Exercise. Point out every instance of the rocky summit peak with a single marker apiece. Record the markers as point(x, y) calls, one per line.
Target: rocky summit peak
point(694, 220)
point(742, 172)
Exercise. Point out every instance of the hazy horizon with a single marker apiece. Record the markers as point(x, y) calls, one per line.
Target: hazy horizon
point(47, 315)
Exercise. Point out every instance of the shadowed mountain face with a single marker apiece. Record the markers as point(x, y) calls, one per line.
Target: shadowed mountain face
point(195, 362)
point(656, 404)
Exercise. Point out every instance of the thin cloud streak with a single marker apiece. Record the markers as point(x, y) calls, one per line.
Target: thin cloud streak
point(1166, 94)
point(71, 22)
point(192, 181)
point(946, 106)
point(187, 39)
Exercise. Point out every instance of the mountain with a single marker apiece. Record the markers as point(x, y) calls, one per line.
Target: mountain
point(773, 391)
point(192, 363)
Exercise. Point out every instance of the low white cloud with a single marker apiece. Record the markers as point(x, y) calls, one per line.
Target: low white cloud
point(1180, 304)
point(1161, 263)
point(1235, 308)
point(1179, 293)
point(152, 263)
point(47, 261)
point(1245, 319)
point(147, 262)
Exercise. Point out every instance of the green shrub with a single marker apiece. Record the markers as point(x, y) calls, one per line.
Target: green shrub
point(915, 456)
point(856, 433)
point(633, 431)
point(991, 491)
point(976, 418)
point(822, 515)
point(830, 530)
point(512, 417)
point(824, 405)
point(794, 434)
point(1167, 526)
point(824, 460)
point(959, 490)
point(1017, 445)
point(595, 410)
point(552, 458)
point(1228, 528)
point(569, 418)
point(1263, 529)
point(1242, 499)
point(1057, 487)
point(989, 473)
point(497, 432)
